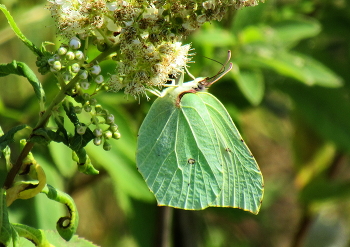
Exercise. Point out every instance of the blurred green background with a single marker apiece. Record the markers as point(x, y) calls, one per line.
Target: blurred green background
point(288, 94)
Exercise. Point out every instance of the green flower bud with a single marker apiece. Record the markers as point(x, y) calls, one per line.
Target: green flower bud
point(97, 141)
point(70, 55)
point(108, 134)
point(75, 67)
point(79, 55)
point(75, 43)
point(116, 135)
point(110, 119)
point(62, 51)
point(86, 96)
point(85, 85)
point(77, 109)
point(98, 132)
point(81, 130)
point(93, 101)
point(98, 108)
point(83, 75)
point(99, 79)
point(107, 146)
point(87, 108)
point(113, 127)
point(96, 69)
point(57, 66)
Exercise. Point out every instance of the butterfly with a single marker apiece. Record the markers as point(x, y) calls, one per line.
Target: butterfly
point(191, 154)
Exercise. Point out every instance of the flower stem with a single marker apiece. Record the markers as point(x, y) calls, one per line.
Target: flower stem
point(41, 124)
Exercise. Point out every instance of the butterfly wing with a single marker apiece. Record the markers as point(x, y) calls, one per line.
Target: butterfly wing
point(178, 154)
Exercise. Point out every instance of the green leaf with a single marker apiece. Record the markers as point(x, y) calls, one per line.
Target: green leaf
point(294, 65)
point(320, 107)
point(211, 35)
point(35, 236)
point(321, 189)
point(66, 226)
point(8, 137)
point(18, 32)
point(251, 83)
point(289, 32)
point(70, 112)
point(78, 141)
point(63, 162)
point(5, 227)
point(193, 157)
point(55, 239)
point(19, 68)
point(125, 177)
point(84, 162)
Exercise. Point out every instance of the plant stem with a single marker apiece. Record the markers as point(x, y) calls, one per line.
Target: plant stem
point(44, 118)
point(163, 231)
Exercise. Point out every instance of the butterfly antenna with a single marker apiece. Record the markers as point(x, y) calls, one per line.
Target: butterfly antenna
point(222, 71)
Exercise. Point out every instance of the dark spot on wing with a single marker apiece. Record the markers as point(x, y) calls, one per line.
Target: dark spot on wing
point(191, 161)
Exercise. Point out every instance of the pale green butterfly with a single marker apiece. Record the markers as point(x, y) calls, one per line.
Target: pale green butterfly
point(191, 154)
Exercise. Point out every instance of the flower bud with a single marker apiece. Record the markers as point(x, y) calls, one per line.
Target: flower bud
point(110, 119)
point(99, 79)
point(67, 77)
point(107, 146)
point(79, 55)
point(93, 101)
point(75, 43)
point(98, 132)
point(83, 75)
point(85, 85)
point(77, 109)
point(116, 135)
point(70, 55)
point(86, 96)
point(87, 108)
point(97, 141)
point(98, 108)
point(62, 51)
point(113, 127)
point(108, 134)
point(57, 66)
point(75, 67)
point(81, 130)
point(96, 69)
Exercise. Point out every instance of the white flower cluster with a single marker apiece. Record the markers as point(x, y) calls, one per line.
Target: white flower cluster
point(146, 34)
